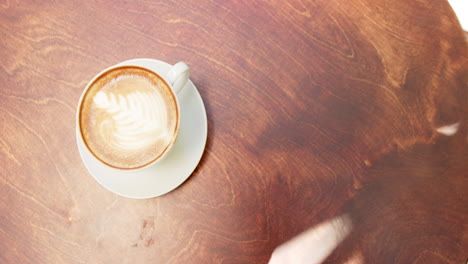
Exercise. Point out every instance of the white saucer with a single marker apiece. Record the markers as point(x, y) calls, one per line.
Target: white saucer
point(176, 166)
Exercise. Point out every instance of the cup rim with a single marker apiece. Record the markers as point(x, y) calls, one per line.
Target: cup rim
point(80, 105)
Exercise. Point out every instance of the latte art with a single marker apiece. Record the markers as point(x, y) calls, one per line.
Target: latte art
point(138, 119)
point(129, 119)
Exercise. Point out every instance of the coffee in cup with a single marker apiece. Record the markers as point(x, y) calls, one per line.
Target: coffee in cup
point(128, 117)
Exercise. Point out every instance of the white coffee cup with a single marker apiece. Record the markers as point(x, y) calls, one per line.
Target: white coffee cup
point(175, 80)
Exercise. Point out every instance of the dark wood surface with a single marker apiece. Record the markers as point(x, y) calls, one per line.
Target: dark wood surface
point(316, 109)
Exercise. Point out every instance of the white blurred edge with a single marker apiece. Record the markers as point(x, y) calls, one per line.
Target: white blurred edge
point(461, 10)
point(315, 244)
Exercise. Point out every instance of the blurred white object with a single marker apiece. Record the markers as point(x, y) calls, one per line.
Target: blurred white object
point(314, 245)
point(461, 9)
point(449, 130)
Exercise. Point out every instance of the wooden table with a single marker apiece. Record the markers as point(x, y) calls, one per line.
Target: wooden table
point(316, 109)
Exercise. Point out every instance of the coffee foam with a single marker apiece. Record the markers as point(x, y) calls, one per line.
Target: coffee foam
point(129, 117)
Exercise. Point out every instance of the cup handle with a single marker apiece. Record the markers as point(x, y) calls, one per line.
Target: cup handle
point(178, 75)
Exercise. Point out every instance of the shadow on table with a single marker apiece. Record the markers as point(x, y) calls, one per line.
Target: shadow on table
point(412, 207)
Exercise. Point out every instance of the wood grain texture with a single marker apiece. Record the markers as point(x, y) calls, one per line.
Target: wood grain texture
point(316, 109)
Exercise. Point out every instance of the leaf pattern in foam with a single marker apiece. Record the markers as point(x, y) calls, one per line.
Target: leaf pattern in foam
point(139, 118)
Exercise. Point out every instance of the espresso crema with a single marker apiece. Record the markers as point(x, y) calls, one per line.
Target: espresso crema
point(128, 117)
